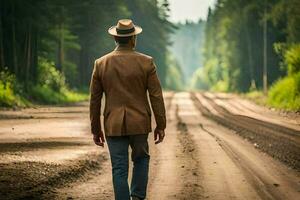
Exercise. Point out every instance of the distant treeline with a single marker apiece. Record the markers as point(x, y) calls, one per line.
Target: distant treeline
point(244, 36)
point(234, 45)
point(186, 50)
point(69, 35)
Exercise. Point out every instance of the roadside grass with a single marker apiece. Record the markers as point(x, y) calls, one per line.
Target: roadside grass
point(49, 88)
point(10, 98)
point(257, 96)
point(284, 94)
point(8, 95)
point(46, 95)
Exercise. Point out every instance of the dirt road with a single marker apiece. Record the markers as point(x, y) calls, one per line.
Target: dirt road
point(218, 146)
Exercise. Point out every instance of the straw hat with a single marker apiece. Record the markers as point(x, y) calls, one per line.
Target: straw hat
point(124, 28)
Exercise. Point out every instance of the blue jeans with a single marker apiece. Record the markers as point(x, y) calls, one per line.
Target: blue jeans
point(118, 148)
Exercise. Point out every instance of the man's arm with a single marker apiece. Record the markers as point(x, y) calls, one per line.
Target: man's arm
point(157, 102)
point(96, 92)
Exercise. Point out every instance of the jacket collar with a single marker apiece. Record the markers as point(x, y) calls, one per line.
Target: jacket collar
point(123, 48)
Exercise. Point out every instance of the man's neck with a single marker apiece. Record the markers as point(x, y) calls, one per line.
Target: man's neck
point(124, 47)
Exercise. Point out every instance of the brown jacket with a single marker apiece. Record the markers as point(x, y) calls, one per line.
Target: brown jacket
point(125, 76)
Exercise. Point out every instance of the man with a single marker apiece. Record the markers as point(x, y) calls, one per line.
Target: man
point(125, 76)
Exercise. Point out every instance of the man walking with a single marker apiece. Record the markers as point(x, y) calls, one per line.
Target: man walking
point(125, 76)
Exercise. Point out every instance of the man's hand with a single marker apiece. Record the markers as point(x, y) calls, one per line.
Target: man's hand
point(158, 135)
point(99, 139)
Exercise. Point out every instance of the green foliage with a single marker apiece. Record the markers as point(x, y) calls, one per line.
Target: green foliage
point(292, 59)
point(220, 86)
point(286, 15)
point(71, 73)
point(187, 44)
point(257, 96)
point(8, 96)
point(233, 53)
point(49, 76)
point(50, 90)
point(199, 81)
point(51, 87)
point(70, 35)
point(152, 15)
point(285, 93)
point(233, 49)
point(45, 94)
point(174, 75)
point(74, 96)
point(7, 79)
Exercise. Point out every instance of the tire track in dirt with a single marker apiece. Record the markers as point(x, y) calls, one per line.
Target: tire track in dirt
point(176, 175)
point(282, 147)
point(258, 183)
point(269, 178)
point(95, 185)
point(165, 164)
point(220, 178)
point(191, 181)
point(38, 180)
point(279, 130)
point(266, 176)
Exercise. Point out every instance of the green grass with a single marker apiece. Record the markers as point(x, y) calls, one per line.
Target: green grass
point(285, 93)
point(257, 96)
point(8, 98)
point(38, 95)
point(50, 88)
point(46, 95)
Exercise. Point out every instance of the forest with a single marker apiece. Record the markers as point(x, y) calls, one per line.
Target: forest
point(254, 46)
point(47, 48)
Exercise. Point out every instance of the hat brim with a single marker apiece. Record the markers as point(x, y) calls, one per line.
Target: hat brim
point(113, 31)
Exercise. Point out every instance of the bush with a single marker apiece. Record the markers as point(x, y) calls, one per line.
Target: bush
point(52, 88)
point(220, 86)
point(45, 94)
point(8, 96)
point(257, 96)
point(292, 59)
point(71, 73)
point(49, 76)
point(285, 93)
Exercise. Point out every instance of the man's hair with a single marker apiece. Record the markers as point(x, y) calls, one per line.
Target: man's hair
point(123, 40)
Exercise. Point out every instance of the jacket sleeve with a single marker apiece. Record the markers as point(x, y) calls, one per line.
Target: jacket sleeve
point(156, 97)
point(96, 92)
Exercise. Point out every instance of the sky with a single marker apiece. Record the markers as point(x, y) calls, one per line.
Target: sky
point(192, 10)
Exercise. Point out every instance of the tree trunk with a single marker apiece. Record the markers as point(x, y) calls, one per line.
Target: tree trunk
point(28, 59)
point(14, 43)
point(83, 63)
point(250, 57)
point(265, 29)
point(61, 43)
point(2, 62)
point(34, 65)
